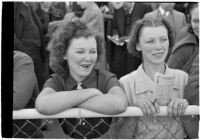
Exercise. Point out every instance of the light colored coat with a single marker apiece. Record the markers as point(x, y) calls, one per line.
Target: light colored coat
point(138, 83)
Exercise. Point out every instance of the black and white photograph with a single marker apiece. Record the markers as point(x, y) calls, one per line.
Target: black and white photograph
point(104, 69)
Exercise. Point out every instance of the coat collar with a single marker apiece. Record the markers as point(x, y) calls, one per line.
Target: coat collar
point(90, 81)
point(143, 83)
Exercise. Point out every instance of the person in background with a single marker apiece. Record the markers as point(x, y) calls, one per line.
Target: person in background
point(187, 48)
point(183, 32)
point(29, 38)
point(74, 52)
point(181, 6)
point(125, 16)
point(57, 11)
point(191, 93)
point(176, 19)
point(92, 16)
point(151, 38)
point(76, 9)
point(42, 13)
point(25, 91)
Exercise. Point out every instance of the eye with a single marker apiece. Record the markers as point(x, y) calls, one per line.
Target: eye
point(93, 51)
point(163, 39)
point(149, 41)
point(80, 51)
point(196, 21)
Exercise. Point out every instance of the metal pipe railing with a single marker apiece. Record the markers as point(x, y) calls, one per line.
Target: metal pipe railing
point(83, 113)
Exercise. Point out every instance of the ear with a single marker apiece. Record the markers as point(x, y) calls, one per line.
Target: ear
point(138, 48)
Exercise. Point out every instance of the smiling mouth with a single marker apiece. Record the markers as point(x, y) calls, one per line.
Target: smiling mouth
point(86, 66)
point(158, 54)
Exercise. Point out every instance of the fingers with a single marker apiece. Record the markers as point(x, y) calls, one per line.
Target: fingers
point(177, 107)
point(157, 108)
point(169, 109)
point(143, 109)
point(180, 109)
point(185, 105)
point(149, 108)
point(154, 107)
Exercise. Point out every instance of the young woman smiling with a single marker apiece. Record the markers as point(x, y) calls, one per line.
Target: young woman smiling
point(150, 39)
point(74, 52)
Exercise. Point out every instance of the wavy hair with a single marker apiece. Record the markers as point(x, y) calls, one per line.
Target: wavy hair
point(61, 40)
point(147, 22)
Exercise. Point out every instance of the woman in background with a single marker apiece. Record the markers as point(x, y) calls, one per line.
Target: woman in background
point(187, 48)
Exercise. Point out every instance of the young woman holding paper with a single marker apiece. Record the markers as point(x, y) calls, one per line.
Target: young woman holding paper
point(153, 84)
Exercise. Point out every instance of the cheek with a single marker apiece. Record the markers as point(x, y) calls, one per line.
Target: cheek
point(72, 58)
point(166, 45)
point(146, 51)
point(194, 26)
point(94, 57)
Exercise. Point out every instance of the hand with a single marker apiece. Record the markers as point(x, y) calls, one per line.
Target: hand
point(121, 40)
point(148, 105)
point(177, 107)
point(116, 37)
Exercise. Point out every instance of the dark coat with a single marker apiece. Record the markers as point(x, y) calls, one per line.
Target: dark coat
point(121, 62)
point(191, 93)
point(29, 38)
point(138, 12)
point(28, 34)
point(183, 53)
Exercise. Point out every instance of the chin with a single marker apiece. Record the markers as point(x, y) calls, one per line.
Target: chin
point(84, 73)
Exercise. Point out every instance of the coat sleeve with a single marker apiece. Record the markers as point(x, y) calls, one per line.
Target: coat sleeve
point(24, 81)
point(191, 92)
point(178, 58)
point(18, 45)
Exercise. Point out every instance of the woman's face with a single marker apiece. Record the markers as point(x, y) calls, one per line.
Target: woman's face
point(81, 57)
point(195, 21)
point(154, 44)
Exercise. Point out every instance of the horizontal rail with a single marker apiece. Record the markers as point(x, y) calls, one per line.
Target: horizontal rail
point(83, 113)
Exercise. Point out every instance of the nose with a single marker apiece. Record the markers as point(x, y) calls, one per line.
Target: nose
point(87, 57)
point(158, 45)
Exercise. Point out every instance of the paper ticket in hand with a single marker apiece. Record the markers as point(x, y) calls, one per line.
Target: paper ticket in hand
point(163, 88)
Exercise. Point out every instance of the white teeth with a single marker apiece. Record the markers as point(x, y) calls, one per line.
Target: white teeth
point(85, 66)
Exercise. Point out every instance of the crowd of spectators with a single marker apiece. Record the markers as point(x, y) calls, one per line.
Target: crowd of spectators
point(41, 29)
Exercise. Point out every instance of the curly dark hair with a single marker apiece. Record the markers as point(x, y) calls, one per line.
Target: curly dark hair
point(191, 6)
point(147, 22)
point(61, 40)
